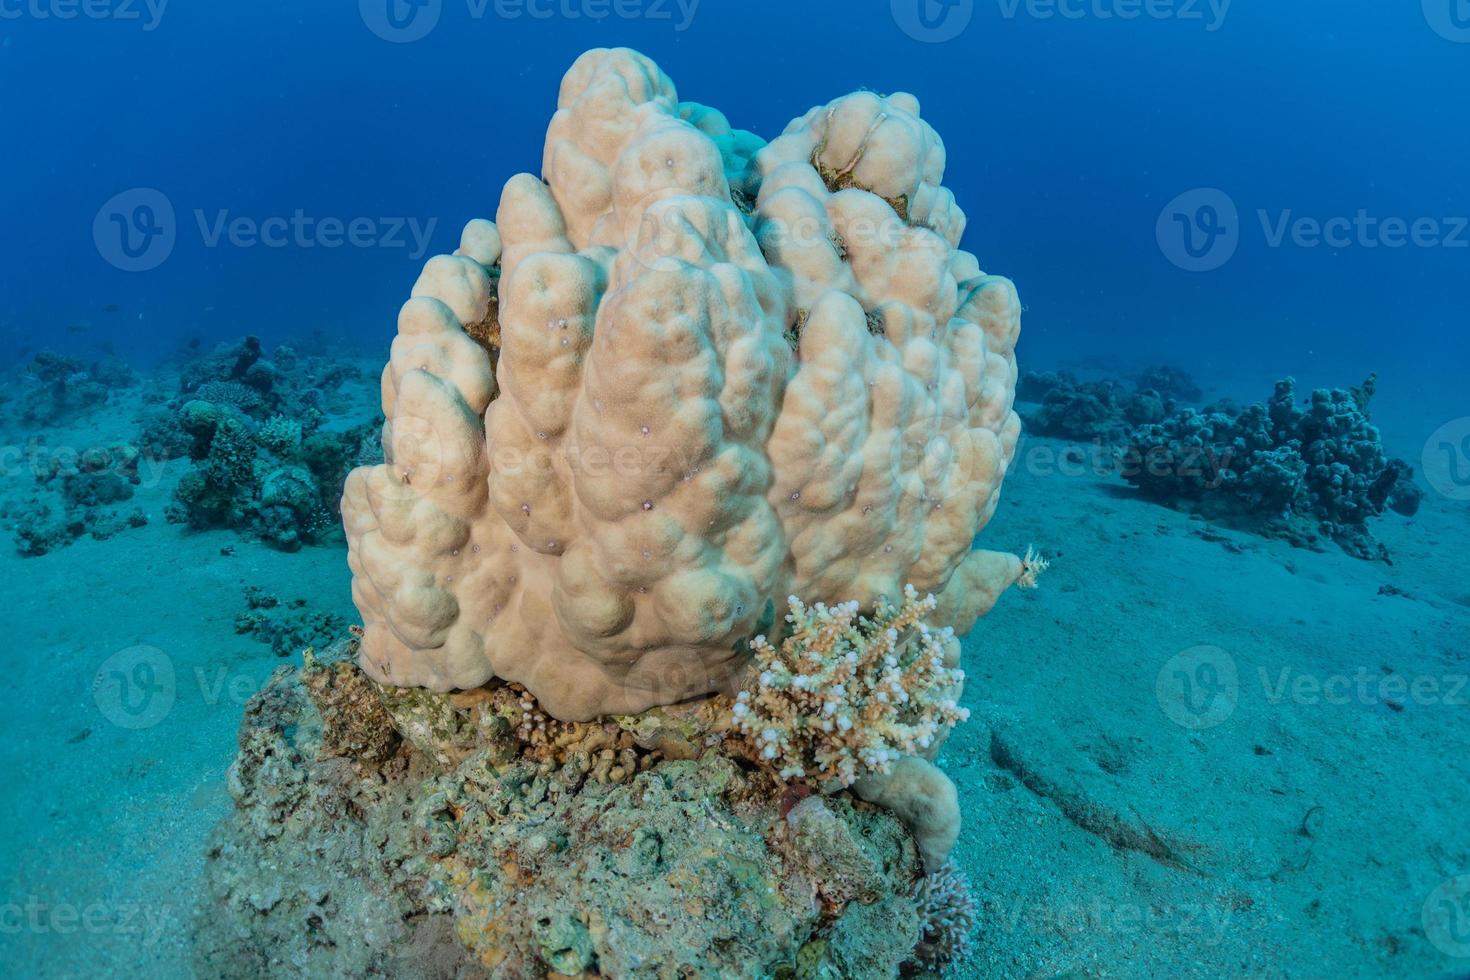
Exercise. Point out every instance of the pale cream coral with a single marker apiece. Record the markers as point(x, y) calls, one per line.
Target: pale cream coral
point(924, 799)
point(606, 461)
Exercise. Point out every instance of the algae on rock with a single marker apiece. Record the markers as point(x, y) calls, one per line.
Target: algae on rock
point(380, 831)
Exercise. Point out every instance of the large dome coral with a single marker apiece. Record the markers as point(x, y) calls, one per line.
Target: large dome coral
point(684, 376)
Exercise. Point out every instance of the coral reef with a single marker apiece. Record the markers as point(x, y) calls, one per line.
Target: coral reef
point(265, 461)
point(1304, 473)
point(286, 628)
point(1103, 411)
point(684, 376)
point(355, 724)
point(269, 390)
point(73, 497)
point(277, 478)
point(61, 388)
point(411, 834)
point(1172, 383)
point(848, 701)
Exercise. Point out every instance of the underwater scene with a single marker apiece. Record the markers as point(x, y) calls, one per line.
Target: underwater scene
point(735, 489)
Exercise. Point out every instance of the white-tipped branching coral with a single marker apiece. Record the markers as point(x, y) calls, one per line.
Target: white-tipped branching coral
point(846, 696)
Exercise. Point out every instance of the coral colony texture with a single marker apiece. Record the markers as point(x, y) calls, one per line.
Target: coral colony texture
point(1303, 473)
point(684, 377)
point(252, 427)
point(661, 578)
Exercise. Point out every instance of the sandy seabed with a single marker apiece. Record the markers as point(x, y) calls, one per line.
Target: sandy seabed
point(1194, 752)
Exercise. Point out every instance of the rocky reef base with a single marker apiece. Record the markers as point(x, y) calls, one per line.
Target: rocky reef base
point(387, 832)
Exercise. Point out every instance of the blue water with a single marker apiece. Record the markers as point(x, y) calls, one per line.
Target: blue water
point(1067, 136)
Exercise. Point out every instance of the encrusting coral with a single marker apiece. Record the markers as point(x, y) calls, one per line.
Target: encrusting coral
point(400, 832)
point(686, 375)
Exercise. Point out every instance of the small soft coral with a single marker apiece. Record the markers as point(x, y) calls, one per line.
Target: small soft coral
point(845, 696)
point(947, 919)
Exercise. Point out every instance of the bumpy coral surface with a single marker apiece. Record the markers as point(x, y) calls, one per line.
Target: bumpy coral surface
point(685, 376)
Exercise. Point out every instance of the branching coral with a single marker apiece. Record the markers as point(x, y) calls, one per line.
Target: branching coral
point(844, 696)
point(1032, 565)
point(277, 478)
point(1301, 472)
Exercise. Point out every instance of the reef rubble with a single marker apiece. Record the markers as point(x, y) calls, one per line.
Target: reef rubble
point(400, 832)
